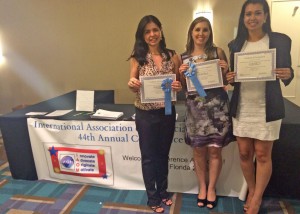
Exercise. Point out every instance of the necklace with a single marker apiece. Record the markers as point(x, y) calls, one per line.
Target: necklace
point(195, 58)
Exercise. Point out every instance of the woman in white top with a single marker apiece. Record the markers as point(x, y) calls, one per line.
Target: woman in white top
point(257, 107)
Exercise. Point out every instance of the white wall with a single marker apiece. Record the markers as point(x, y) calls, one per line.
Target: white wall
point(284, 21)
point(53, 47)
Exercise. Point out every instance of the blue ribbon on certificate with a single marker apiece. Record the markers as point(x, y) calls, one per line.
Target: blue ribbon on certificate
point(191, 73)
point(167, 88)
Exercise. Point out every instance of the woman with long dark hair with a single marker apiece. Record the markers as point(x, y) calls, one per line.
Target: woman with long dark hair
point(150, 57)
point(257, 107)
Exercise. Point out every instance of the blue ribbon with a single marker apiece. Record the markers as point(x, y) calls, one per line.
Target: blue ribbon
point(191, 73)
point(167, 88)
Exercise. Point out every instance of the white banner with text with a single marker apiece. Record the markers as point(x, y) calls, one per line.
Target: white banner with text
point(106, 153)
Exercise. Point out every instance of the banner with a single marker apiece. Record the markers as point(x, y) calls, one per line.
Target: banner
point(106, 153)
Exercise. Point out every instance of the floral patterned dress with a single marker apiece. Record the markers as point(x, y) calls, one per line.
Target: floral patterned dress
point(207, 119)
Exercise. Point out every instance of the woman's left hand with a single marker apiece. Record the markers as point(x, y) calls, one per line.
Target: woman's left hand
point(283, 73)
point(176, 86)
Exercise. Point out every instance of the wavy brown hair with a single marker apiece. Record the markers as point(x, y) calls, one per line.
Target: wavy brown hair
point(209, 46)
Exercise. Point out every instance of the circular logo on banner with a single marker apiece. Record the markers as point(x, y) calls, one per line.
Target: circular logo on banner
point(67, 161)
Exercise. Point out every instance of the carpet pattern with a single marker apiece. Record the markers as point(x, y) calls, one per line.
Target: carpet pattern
point(36, 197)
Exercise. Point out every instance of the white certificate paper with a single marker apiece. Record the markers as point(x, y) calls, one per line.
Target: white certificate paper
point(209, 74)
point(58, 113)
point(255, 66)
point(84, 100)
point(151, 90)
point(33, 113)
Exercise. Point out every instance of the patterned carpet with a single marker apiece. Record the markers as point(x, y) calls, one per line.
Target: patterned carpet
point(26, 197)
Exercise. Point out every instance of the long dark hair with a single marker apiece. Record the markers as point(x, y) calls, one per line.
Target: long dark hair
point(209, 46)
point(141, 48)
point(242, 33)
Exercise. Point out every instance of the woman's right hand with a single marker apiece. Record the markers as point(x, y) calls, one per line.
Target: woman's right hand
point(230, 76)
point(134, 84)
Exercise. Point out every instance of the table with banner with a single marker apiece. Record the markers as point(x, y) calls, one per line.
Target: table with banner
point(100, 152)
point(106, 153)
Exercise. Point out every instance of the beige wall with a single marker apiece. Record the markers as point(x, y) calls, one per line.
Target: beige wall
point(53, 47)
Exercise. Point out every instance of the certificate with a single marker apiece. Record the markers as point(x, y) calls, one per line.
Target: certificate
point(255, 66)
point(209, 74)
point(151, 90)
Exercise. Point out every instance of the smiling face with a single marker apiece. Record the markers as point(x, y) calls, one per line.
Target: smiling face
point(254, 17)
point(152, 34)
point(201, 33)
